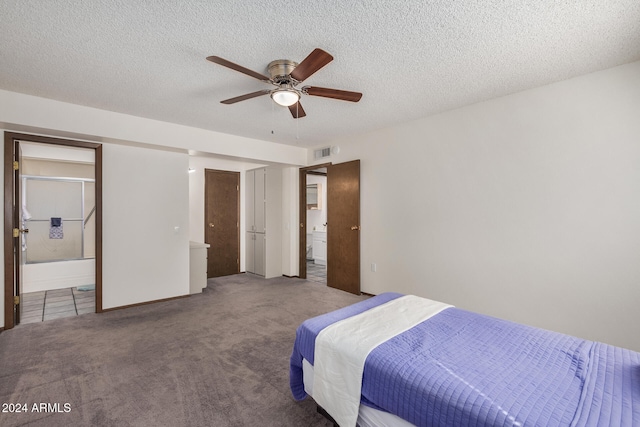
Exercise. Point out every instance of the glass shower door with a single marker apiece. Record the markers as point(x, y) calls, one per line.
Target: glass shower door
point(49, 202)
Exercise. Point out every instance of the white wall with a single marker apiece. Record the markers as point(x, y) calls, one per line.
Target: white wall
point(34, 150)
point(145, 225)
point(526, 207)
point(33, 114)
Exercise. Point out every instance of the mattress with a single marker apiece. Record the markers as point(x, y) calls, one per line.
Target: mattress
point(367, 416)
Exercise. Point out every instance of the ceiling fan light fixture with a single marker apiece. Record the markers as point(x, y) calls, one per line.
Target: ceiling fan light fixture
point(285, 97)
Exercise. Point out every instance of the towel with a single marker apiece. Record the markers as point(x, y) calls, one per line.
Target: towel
point(55, 230)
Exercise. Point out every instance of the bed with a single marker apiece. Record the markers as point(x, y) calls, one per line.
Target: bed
point(400, 360)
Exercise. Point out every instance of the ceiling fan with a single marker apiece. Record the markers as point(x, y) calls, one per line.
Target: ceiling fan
point(285, 76)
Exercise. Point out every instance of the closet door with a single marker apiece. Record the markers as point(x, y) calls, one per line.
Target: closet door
point(260, 257)
point(250, 200)
point(259, 200)
point(251, 257)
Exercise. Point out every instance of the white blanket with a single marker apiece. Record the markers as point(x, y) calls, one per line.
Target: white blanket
point(342, 348)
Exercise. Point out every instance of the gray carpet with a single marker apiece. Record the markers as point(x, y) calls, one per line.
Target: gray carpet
point(220, 358)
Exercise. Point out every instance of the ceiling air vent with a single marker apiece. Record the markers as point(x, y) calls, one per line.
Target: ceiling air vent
point(322, 153)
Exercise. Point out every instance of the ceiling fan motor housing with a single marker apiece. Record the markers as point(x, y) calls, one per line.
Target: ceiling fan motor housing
point(280, 69)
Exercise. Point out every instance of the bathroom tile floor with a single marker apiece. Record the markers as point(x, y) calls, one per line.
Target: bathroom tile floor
point(316, 272)
point(55, 304)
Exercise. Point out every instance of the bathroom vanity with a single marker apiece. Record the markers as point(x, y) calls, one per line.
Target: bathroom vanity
point(320, 247)
point(197, 267)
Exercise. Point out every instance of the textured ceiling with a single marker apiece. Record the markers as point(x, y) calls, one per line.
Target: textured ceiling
point(410, 59)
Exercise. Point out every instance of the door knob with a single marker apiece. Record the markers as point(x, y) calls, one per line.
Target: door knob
point(211, 225)
point(355, 227)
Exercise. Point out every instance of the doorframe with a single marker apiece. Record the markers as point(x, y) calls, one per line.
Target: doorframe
point(302, 245)
point(11, 217)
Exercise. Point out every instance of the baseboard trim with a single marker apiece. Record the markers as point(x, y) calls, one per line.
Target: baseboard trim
point(104, 310)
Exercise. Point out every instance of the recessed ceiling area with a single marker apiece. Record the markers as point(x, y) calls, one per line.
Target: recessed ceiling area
point(409, 59)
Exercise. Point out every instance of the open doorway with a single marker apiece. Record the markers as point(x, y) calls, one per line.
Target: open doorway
point(58, 207)
point(316, 218)
point(305, 248)
point(53, 236)
point(342, 224)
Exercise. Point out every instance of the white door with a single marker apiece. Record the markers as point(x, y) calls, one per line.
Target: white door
point(250, 261)
point(259, 200)
point(260, 256)
point(250, 197)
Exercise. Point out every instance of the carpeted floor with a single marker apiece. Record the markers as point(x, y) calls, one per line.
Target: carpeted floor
point(220, 358)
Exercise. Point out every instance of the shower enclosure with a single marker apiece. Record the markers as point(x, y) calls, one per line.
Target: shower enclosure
point(70, 201)
point(59, 249)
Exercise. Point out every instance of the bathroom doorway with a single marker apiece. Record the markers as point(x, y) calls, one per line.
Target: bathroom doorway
point(316, 220)
point(58, 252)
point(342, 224)
point(56, 229)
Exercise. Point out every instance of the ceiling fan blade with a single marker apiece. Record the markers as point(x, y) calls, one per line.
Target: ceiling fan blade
point(312, 63)
point(297, 111)
point(343, 95)
point(244, 97)
point(236, 67)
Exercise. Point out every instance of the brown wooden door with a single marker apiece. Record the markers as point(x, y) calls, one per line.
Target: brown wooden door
point(222, 222)
point(343, 229)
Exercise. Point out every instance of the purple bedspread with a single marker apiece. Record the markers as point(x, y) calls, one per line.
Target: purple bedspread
point(305, 343)
point(464, 369)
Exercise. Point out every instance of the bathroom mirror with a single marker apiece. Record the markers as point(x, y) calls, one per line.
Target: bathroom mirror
point(313, 197)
